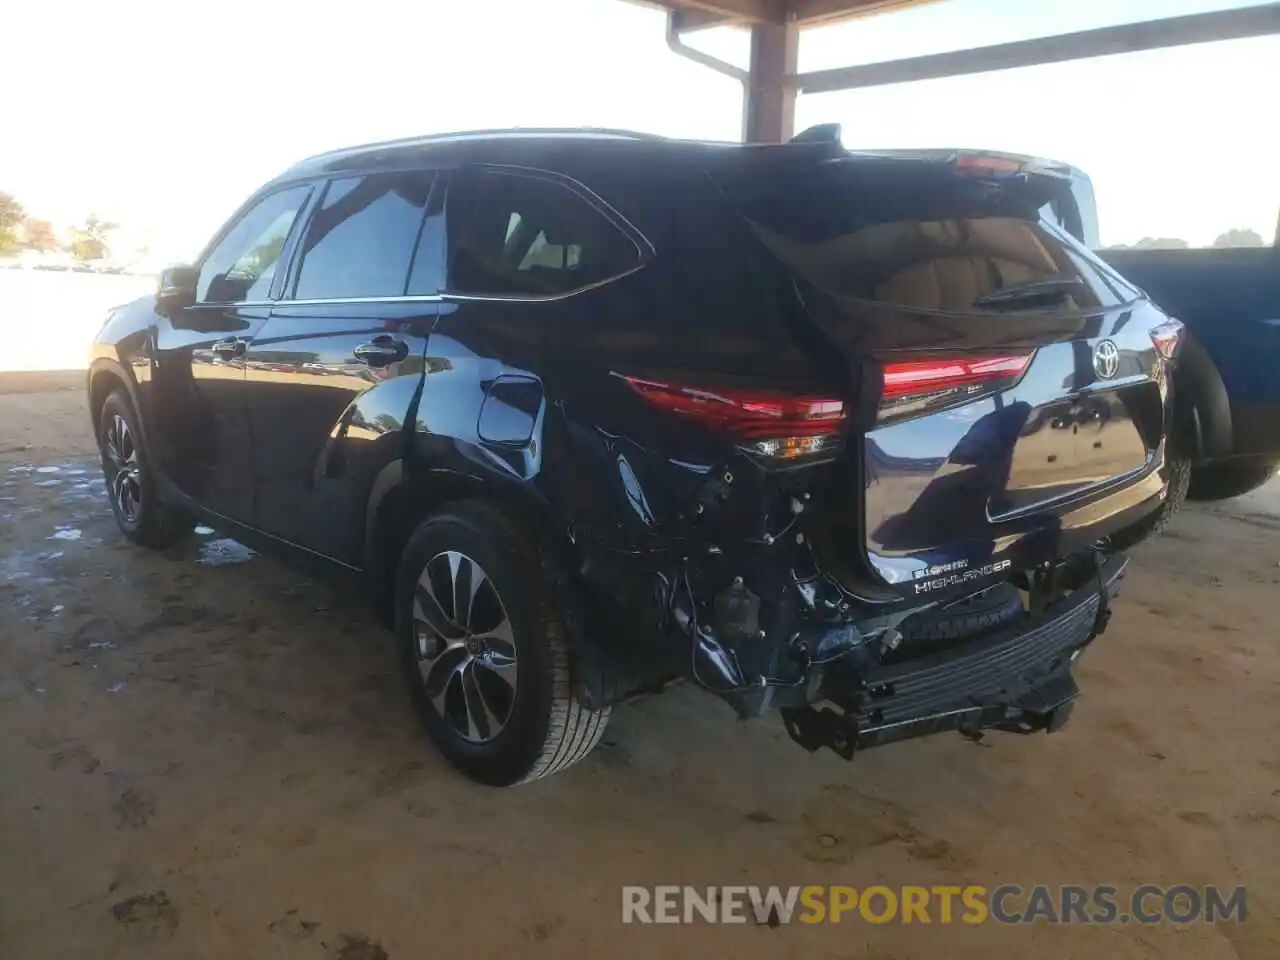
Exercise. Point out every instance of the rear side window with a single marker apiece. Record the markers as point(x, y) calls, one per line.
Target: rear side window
point(512, 234)
point(243, 262)
point(916, 236)
point(361, 239)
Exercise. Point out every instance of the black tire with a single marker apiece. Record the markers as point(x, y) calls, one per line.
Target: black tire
point(140, 513)
point(1229, 478)
point(542, 727)
point(997, 607)
point(1180, 474)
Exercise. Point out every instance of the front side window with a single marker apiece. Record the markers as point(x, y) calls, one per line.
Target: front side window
point(242, 264)
point(361, 238)
point(512, 234)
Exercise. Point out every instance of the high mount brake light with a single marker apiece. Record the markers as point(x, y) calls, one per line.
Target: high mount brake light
point(979, 164)
point(912, 387)
point(772, 424)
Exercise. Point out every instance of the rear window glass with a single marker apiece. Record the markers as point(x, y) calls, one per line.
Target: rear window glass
point(917, 236)
point(511, 234)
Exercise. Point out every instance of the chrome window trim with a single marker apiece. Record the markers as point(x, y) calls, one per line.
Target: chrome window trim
point(407, 298)
point(430, 297)
point(542, 297)
point(411, 298)
point(228, 304)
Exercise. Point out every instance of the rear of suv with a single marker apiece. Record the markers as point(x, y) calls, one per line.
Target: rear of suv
point(856, 437)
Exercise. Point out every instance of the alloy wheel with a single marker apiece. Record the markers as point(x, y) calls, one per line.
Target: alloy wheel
point(124, 472)
point(465, 646)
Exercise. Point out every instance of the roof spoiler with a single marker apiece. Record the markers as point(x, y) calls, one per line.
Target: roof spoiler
point(822, 133)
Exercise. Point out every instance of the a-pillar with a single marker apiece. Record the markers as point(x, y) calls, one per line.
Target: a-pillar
point(770, 104)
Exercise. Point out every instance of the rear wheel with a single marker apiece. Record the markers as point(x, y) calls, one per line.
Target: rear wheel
point(484, 649)
point(131, 483)
point(1230, 478)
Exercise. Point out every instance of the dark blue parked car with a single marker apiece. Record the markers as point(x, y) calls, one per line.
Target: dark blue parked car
point(1227, 391)
point(585, 412)
point(1228, 380)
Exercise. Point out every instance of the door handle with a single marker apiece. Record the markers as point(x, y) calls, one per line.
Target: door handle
point(382, 351)
point(230, 348)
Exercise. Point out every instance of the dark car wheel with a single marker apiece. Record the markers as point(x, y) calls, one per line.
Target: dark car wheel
point(131, 488)
point(485, 650)
point(1230, 478)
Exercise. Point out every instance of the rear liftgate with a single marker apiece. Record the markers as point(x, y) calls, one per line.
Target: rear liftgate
point(1017, 679)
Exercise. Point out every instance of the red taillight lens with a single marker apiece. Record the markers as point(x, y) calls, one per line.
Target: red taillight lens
point(1167, 337)
point(912, 387)
point(776, 424)
point(974, 163)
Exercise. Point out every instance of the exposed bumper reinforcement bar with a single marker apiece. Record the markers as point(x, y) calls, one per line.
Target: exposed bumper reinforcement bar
point(1018, 679)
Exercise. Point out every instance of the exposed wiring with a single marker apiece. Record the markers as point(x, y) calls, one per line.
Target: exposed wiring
point(693, 629)
point(771, 538)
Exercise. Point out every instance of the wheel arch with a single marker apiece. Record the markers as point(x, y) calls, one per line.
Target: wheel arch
point(104, 376)
point(399, 499)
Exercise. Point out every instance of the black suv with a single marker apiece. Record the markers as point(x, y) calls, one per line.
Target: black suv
point(588, 412)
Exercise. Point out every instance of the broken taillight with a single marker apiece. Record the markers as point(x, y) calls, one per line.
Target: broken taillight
point(913, 387)
point(770, 424)
point(1166, 337)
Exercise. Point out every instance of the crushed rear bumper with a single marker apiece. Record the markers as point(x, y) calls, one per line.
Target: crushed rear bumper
point(1017, 679)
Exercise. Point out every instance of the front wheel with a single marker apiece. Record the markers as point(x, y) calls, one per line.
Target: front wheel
point(131, 483)
point(1230, 478)
point(484, 648)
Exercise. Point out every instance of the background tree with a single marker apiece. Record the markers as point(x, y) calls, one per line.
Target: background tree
point(1239, 237)
point(90, 242)
point(11, 215)
point(1161, 243)
point(39, 235)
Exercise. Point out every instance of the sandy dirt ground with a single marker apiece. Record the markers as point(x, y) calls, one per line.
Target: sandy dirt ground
point(203, 754)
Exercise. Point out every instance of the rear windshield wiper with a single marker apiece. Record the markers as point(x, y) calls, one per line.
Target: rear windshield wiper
point(1032, 290)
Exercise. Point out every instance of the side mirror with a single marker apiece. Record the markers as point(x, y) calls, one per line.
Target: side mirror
point(177, 288)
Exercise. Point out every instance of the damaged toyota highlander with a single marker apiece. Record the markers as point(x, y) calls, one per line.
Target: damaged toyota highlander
point(860, 438)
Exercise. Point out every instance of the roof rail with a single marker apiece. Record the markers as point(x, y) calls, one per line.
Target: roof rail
point(602, 132)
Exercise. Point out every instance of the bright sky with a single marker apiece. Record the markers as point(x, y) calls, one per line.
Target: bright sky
point(166, 115)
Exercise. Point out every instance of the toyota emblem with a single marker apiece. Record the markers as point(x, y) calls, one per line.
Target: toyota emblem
point(1106, 359)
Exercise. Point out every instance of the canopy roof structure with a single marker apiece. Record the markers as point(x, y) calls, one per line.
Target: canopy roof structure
point(771, 81)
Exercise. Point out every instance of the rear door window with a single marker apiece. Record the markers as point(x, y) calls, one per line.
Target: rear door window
point(518, 234)
point(361, 238)
point(915, 236)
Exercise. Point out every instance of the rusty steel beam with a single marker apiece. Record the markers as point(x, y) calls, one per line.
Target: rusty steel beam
point(769, 107)
point(699, 14)
point(1235, 24)
point(808, 13)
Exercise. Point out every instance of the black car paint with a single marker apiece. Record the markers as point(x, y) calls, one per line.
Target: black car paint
point(298, 443)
